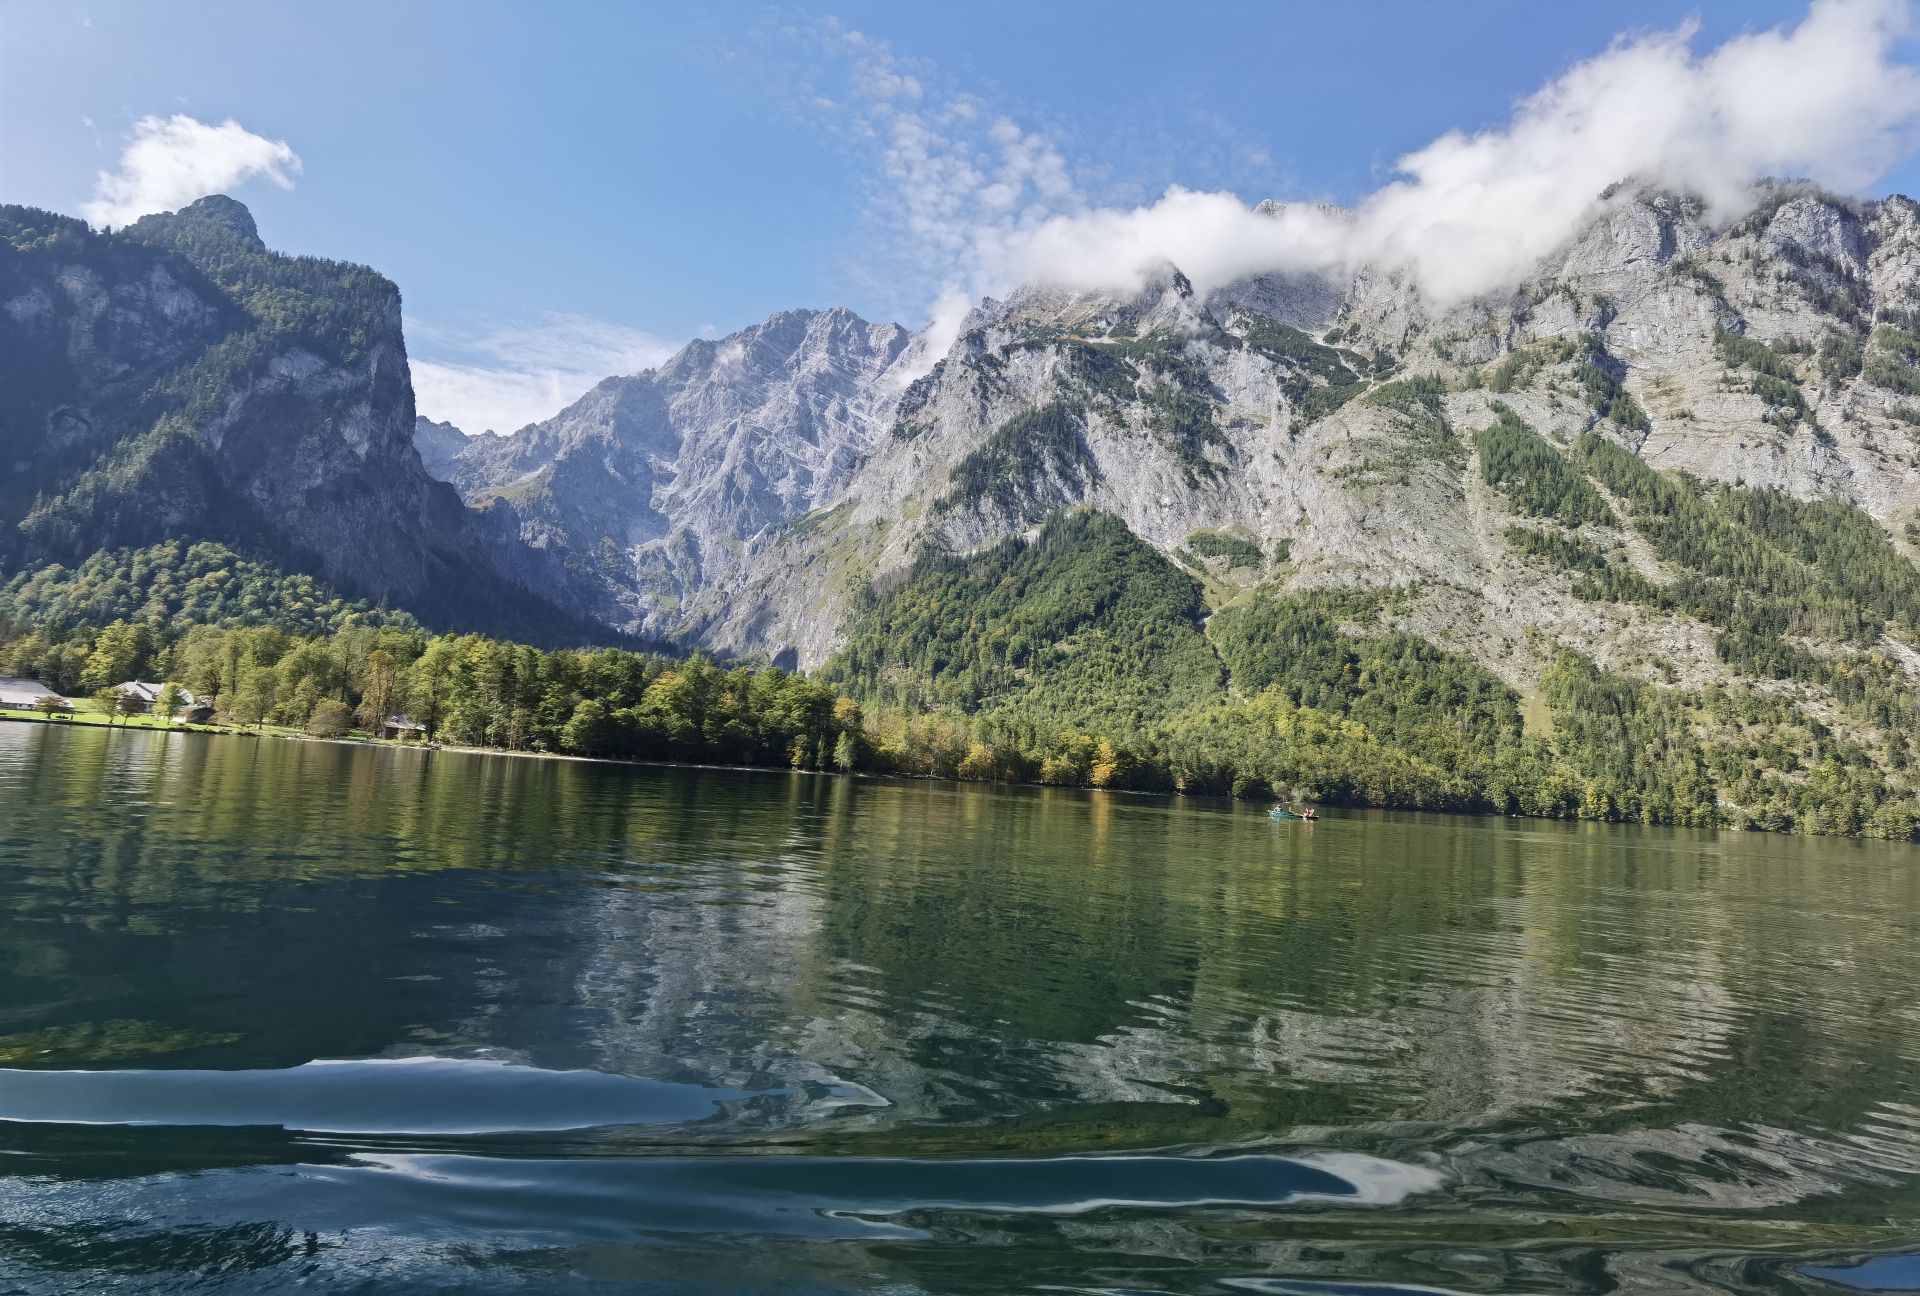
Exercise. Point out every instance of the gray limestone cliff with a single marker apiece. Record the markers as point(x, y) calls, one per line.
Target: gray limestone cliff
point(748, 494)
point(177, 380)
point(654, 486)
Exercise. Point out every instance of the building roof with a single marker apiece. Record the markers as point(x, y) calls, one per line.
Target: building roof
point(149, 692)
point(401, 722)
point(15, 691)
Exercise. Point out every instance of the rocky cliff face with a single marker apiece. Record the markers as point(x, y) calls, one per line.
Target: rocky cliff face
point(1333, 428)
point(653, 486)
point(439, 445)
point(178, 380)
point(1284, 433)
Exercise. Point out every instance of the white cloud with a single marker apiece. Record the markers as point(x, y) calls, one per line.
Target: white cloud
point(967, 202)
point(475, 398)
point(951, 176)
point(945, 319)
point(171, 161)
point(1823, 100)
point(503, 375)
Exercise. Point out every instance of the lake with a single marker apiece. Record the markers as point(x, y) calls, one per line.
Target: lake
point(281, 1014)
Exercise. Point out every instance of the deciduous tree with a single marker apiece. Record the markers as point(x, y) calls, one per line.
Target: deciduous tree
point(168, 703)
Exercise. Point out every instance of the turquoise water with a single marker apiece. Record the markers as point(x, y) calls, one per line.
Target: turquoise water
point(300, 1015)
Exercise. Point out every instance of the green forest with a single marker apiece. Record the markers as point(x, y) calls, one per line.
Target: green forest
point(1082, 656)
point(464, 689)
point(114, 465)
point(1085, 658)
point(138, 438)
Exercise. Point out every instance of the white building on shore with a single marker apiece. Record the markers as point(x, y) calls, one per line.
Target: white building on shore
point(146, 696)
point(17, 694)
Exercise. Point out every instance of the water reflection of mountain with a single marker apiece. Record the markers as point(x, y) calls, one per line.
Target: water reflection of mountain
point(976, 955)
point(1546, 1008)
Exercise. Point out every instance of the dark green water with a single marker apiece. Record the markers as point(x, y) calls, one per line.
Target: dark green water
point(281, 1015)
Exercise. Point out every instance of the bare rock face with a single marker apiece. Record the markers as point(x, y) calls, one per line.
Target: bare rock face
point(177, 380)
point(439, 445)
point(652, 485)
point(749, 494)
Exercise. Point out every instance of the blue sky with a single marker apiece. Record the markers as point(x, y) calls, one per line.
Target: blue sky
point(563, 188)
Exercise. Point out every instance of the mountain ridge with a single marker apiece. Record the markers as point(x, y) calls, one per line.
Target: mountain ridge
point(1667, 332)
point(1648, 519)
point(1635, 282)
point(175, 380)
point(1591, 490)
point(650, 483)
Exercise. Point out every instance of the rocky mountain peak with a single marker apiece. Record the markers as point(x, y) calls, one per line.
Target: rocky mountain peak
point(1164, 301)
point(784, 343)
point(439, 445)
point(665, 475)
point(1274, 208)
point(219, 209)
point(215, 215)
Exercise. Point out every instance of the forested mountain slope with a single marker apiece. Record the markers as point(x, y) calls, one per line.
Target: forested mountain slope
point(1672, 477)
point(176, 381)
point(1635, 539)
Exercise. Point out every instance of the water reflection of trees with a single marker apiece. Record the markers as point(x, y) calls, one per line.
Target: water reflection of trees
point(1449, 972)
point(1166, 969)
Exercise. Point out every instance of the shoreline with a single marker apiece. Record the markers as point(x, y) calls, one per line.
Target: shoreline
point(424, 749)
point(388, 744)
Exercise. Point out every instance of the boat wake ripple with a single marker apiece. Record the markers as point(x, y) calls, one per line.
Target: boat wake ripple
point(377, 1096)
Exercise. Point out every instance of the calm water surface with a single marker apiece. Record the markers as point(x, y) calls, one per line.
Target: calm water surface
point(278, 1015)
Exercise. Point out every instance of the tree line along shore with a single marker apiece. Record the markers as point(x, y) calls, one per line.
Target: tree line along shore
point(1419, 730)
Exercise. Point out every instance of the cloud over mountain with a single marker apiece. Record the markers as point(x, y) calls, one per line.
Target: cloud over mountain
point(171, 161)
point(503, 375)
point(971, 202)
point(1823, 100)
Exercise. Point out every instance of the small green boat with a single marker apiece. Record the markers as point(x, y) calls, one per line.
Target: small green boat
point(1281, 812)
